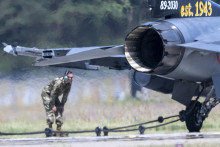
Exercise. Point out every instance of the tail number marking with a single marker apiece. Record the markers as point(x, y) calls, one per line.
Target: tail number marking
point(169, 5)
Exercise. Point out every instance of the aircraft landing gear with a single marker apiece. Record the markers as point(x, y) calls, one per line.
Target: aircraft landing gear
point(193, 121)
point(197, 112)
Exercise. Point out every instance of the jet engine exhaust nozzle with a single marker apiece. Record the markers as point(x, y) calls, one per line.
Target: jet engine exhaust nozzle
point(151, 48)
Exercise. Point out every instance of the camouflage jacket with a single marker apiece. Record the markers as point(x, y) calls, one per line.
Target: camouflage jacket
point(56, 88)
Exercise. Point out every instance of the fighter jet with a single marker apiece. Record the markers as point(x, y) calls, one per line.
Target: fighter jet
point(178, 55)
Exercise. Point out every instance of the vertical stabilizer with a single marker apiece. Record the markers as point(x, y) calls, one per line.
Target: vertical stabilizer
point(183, 8)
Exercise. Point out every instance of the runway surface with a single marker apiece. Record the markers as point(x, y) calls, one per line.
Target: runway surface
point(130, 140)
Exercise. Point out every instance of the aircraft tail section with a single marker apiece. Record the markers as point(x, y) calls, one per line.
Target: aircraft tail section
point(183, 8)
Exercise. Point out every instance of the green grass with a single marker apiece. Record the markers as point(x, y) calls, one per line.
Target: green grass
point(87, 115)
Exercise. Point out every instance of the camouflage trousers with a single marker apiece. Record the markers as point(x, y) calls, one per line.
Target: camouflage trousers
point(50, 115)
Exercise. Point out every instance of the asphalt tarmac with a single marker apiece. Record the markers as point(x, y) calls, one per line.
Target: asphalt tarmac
point(176, 139)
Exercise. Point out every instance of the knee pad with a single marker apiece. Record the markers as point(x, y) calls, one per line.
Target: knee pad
point(50, 119)
point(59, 121)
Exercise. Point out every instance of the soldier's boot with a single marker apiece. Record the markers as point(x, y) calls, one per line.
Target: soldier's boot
point(51, 127)
point(59, 128)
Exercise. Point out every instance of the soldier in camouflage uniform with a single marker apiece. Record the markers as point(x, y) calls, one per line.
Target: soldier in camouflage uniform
point(53, 106)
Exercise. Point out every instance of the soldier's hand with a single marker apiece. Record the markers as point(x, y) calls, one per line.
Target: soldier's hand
point(54, 109)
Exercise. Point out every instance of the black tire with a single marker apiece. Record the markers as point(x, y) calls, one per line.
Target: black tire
point(191, 119)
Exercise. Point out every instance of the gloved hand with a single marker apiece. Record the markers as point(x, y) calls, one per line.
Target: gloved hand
point(60, 109)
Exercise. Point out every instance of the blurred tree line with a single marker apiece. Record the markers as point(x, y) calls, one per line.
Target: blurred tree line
point(66, 23)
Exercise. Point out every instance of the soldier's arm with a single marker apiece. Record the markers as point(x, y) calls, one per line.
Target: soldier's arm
point(53, 92)
point(65, 95)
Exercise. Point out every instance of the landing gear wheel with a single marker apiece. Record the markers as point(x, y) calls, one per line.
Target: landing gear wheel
point(192, 122)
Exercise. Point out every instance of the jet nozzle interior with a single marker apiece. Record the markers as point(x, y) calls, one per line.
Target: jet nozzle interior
point(151, 48)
